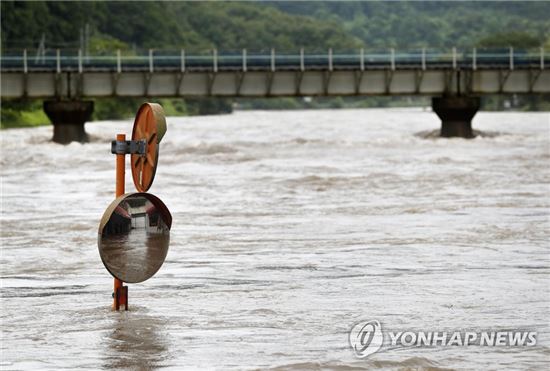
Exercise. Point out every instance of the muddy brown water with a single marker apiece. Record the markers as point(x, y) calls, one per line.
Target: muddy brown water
point(288, 228)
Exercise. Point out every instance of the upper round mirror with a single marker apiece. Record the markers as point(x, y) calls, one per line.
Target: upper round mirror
point(134, 235)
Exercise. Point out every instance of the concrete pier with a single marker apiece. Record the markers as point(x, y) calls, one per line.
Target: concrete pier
point(456, 113)
point(68, 118)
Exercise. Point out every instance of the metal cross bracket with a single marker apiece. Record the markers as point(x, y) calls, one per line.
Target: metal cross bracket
point(129, 147)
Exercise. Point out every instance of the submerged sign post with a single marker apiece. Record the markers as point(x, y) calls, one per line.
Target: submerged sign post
point(134, 232)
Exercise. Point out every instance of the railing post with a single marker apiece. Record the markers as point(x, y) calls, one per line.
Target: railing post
point(79, 60)
point(58, 58)
point(118, 62)
point(244, 60)
point(25, 68)
point(474, 59)
point(511, 58)
point(454, 58)
point(182, 60)
point(392, 58)
point(151, 66)
point(541, 58)
point(272, 59)
point(215, 60)
point(330, 59)
point(423, 59)
point(362, 59)
point(302, 64)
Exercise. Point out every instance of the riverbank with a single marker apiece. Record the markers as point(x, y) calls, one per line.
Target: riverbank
point(18, 114)
point(21, 114)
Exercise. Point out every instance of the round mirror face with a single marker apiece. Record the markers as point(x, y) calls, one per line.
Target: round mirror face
point(134, 235)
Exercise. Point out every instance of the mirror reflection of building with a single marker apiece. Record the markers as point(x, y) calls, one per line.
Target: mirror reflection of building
point(134, 242)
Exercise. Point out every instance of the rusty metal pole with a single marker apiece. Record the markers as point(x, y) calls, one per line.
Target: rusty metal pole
point(120, 293)
point(120, 168)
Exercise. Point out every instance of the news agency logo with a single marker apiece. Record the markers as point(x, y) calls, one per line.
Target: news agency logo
point(367, 337)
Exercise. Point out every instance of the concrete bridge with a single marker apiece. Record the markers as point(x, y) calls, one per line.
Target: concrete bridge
point(456, 79)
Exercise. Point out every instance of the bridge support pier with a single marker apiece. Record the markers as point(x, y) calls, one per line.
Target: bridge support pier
point(456, 113)
point(68, 118)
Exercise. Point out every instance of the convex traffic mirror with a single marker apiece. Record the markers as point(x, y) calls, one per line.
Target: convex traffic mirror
point(134, 235)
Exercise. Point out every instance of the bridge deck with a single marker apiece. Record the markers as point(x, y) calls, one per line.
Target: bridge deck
point(62, 73)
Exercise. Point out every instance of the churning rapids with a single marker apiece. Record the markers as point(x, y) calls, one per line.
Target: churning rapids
point(289, 227)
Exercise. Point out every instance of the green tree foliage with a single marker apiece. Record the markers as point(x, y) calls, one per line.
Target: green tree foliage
point(520, 40)
point(285, 25)
point(435, 24)
point(192, 25)
point(22, 113)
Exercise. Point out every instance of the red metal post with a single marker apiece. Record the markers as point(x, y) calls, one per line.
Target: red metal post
point(120, 294)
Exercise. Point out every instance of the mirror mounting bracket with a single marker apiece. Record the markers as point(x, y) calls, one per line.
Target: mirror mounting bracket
point(127, 147)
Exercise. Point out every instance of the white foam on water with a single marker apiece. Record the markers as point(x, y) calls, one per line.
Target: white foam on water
point(288, 228)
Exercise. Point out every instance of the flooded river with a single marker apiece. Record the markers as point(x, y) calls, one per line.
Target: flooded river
point(288, 228)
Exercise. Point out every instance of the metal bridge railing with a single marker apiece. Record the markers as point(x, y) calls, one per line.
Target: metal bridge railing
point(150, 60)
